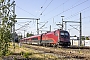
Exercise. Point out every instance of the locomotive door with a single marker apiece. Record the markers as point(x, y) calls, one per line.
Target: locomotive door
point(58, 36)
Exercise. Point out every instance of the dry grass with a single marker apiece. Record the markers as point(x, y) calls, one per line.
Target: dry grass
point(38, 55)
point(1, 58)
point(34, 54)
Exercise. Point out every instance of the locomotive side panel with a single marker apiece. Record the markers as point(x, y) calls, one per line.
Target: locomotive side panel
point(48, 38)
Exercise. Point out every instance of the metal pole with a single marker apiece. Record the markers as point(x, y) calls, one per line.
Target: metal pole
point(65, 25)
point(50, 27)
point(62, 22)
point(14, 26)
point(24, 33)
point(37, 27)
point(80, 30)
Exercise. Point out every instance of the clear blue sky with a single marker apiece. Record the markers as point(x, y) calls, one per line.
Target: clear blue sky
point(52, 10)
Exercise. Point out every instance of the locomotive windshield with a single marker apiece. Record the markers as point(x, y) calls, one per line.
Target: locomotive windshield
point(64, 33)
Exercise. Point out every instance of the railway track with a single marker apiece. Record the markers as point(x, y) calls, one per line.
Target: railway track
point(66, 52)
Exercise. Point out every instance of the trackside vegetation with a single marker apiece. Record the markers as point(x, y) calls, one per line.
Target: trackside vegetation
point(6, 22)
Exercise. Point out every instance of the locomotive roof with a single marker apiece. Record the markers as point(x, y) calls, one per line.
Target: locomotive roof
point(33, 36)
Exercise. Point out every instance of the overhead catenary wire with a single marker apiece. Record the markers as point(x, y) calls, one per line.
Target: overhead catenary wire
point(73, 15)
point(22, 22)
point(42, 7)
point(23, 26)
point(43, 4)
point(25, 11)
point(56, 7)
point(72, 7)
point(59, 6)
point(43, 25)
point(84, 17)
point(68, 9)
point(19, 24)
point(75, 3)
point(46, 7)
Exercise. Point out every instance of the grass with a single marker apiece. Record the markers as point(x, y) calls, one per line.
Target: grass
point(31, 53)
point(25, 53)
point(1, 58)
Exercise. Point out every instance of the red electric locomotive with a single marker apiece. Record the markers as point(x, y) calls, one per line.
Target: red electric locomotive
point(57, 37)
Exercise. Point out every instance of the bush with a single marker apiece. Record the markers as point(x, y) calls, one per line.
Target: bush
point(26, 55)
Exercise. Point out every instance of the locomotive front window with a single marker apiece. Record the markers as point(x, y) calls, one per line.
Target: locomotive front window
point(64, 33)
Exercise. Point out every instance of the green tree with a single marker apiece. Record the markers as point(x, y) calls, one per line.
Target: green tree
point(83, 37)
point(5, 26)
point(20, 36)
point(87, 38)
point(4, 39)
point(28, 35)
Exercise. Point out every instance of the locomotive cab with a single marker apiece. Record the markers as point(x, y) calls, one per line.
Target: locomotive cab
point(64, 38)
